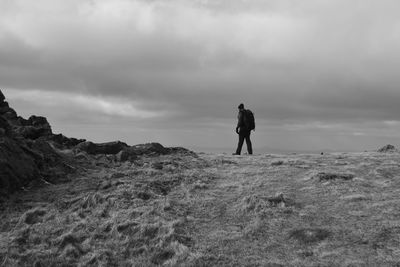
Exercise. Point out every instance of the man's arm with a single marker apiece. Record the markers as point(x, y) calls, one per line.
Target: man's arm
point(240, 121)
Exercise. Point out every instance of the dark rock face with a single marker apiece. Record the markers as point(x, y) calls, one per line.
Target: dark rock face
point(149, 148)
point(5, 127)
point(33, 128)
point(102, 148)
point(2, 97)
point(3, 107)
point(25, 152)
point(64, 142)
point(17, 167)
point(388, 149)
point(29, 132)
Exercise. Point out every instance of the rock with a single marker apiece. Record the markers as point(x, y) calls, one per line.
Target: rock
point(388, 149)
point(144, 195)
point(4, 107)
point(9, 114)
point(127, 155)
point(33, 128)
point(133, 152)
point(5, 125)
point(105, 185)
point(25, 154)
point(36, 127)
point(64, 142)
point(38, 121)
point(46, 151)
point(2, 97)
point(157, 165)
point(277, 163)
point(30, 151)
point(149, 148)
point(17, 168)
point(180, 150)
point(277, 199)
point(31, 132)
point(33, 216)
point(82, 156)
point(102, 148)
point(86, 147)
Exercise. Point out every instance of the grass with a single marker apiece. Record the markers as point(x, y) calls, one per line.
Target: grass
point(211, 210)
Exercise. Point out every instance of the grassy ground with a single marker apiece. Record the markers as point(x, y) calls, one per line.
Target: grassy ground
point(212, 210)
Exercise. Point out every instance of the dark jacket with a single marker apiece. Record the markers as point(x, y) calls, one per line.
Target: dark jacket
point(241, 126)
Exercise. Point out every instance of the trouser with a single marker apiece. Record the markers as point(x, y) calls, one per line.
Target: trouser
point(242, 137)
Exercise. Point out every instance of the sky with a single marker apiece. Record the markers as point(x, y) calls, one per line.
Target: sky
point(318, 74)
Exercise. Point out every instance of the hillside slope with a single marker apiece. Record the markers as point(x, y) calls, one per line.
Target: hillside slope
point(31, 154)
point(184, 209)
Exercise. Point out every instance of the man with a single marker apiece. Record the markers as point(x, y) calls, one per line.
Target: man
point(243, 129)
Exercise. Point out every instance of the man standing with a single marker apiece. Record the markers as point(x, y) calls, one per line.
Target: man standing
point(244, 126)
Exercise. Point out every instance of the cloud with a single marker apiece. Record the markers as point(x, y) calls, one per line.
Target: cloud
point(84, 103)
point(178, 64)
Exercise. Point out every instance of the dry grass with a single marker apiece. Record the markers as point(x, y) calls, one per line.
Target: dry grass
point(212, 210)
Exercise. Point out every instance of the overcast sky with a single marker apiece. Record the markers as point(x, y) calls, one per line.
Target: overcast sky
point(318, 74)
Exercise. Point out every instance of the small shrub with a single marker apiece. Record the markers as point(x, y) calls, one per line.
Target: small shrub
point(157, 165)
point(22, 236)
point(323, 176)
point(309, 235)
point(33, 216)
point(162, 256)
point(144, 195)
point(149, 231)
point(277, 163)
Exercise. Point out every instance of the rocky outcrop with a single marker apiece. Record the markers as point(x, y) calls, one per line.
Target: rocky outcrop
point(150, 149)
point(62, 142)
point(388, 149)
point(102, 148)
point(34, 131)
point(25, 153)
point(120, 151)
point(17, 167)
point(32, 128)
point(29, 151)
point(5, 128)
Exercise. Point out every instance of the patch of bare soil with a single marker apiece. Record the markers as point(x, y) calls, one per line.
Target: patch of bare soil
point(211, 210)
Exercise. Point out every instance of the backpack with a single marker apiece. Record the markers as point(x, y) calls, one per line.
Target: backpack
point(249, 120)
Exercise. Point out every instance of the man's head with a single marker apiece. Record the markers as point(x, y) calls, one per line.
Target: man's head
point(241, 106)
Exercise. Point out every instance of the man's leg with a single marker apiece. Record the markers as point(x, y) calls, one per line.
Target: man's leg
point(248, 143)
point(240, 144)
